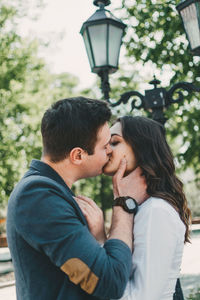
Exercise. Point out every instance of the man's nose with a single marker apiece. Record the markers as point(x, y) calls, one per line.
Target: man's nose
point(109, 149)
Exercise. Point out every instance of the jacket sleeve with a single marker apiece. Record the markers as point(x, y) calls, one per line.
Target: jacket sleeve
point(52, 227)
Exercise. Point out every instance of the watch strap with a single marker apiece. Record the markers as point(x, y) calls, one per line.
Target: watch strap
point(121, 201)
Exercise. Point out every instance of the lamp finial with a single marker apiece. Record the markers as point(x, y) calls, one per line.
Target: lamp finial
point(101, 2)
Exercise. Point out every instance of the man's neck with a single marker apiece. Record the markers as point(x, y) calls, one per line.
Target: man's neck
point(63, 169)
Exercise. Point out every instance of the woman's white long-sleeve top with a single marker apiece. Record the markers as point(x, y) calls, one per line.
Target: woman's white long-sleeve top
point(158, 248)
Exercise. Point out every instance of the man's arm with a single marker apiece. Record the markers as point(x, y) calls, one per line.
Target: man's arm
point(133, 185)
point(122, 226)
point(54, 229)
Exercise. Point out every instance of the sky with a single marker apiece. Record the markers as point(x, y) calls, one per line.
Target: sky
point(63, 18)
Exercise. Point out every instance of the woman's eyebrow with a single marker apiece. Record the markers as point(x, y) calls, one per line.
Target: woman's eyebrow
point(107, 142)
point(115, 134)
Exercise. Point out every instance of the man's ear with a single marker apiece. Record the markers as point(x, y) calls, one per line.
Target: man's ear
point(77, 155)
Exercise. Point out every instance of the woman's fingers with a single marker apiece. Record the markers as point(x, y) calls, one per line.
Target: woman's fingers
point(89, 207)
point(88, 201)
point(86, 210)
point(118, 177)
point(82, 203)
point(121, 170)
point(94, 217)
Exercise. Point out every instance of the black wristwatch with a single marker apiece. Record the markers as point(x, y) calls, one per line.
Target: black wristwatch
point(129, 204)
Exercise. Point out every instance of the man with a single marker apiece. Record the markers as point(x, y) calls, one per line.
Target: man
point(53, 252)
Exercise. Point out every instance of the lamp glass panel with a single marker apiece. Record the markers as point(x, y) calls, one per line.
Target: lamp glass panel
point(98, 38)
point(191, 23)
point(115, 38)
point(87, 46)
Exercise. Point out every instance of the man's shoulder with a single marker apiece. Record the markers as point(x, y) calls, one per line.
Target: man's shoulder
point(39, 191)
point(40, 197)
point(34, 183)
point(35, 178)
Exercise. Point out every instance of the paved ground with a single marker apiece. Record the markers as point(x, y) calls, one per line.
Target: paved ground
point(8, 293)
point(190, 271)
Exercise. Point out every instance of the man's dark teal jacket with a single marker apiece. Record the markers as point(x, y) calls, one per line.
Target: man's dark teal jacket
point(54, 255)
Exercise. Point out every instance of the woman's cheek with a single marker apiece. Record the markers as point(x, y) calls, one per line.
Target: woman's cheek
point(131, 165)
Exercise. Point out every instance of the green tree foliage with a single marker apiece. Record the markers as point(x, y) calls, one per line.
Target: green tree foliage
point(155, 35)
point(194, 295)
point(27, 88)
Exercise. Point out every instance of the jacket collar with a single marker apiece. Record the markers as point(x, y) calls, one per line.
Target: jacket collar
point(44, 169)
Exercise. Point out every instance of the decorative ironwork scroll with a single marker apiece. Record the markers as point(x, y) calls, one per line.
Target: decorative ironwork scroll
point(125, 98)
point(189, 87)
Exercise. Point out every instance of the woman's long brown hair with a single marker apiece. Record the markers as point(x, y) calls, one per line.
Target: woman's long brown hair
point(153, 155)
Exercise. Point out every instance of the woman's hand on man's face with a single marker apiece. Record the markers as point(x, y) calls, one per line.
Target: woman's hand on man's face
point(94, 217)
point(133, 185)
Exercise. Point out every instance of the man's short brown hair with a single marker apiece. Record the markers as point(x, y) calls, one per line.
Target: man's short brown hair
point(70, 123)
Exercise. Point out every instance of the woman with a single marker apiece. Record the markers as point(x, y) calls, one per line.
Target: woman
point(161, 225)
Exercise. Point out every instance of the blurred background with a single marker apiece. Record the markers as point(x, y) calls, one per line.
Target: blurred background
point(43, 59)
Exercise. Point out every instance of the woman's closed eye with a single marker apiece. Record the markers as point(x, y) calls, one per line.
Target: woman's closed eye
point(114, 143)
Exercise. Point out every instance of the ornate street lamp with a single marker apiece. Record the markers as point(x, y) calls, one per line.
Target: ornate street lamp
point(102, 34)
point(156, 100)
point(189, 11)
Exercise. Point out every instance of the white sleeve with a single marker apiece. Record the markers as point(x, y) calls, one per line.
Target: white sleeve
point(155, 239)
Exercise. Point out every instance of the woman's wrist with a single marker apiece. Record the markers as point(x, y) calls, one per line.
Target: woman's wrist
point(101, 239)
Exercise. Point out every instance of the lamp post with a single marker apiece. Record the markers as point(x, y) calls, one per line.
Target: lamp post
point(102, 34)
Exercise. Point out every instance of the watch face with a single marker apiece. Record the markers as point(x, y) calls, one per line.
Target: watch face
point(127, 203)
point(130, 203)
